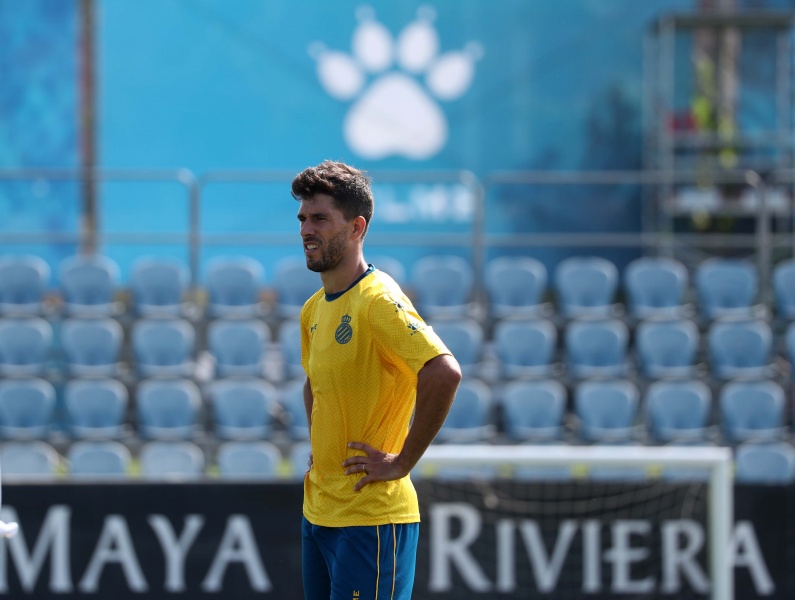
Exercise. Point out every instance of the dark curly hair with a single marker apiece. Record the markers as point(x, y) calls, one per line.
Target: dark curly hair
point(349, 187)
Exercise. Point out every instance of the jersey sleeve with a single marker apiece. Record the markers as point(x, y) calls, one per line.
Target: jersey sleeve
point(401, 333)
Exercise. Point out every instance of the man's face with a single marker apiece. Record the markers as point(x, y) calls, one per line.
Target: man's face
point(325, 232)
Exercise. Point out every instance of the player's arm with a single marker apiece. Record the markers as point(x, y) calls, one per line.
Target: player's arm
point(308, 401)
point(437, 383)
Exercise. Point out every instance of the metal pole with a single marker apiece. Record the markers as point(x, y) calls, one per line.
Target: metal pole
point(87, 126)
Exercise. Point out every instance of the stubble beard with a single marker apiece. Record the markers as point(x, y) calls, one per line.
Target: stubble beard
point(330, 257)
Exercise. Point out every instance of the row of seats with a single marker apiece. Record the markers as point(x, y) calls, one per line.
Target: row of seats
point(616, 411)
point(171, 460)
point(771, 463)
point(442, 285)
point(168, 408)
point(606, 347)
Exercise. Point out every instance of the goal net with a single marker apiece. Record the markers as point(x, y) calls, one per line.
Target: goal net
point(500, 521)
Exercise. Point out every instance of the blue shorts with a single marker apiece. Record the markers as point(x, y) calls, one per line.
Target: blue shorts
point(374, 562)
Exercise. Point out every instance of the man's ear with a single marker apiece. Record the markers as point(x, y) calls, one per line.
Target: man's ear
point(359, 227)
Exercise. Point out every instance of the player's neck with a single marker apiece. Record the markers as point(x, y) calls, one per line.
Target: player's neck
point(341, 277)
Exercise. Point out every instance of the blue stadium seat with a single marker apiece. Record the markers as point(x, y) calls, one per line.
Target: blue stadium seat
point(168, 408)
point(741, 348)
point(243, 408)
point(28, 460)
point(167, 460)
point(158, 286)
point(25, 344)
point(88, 285)
point(763, 463)
point(464, 338)
point(95, 459)
point(667, 347)
point(294, 284)
point(92, 345)
point(586, 286)
point(27, 408)
point(596, 347)
point(96, 407)
point(606, 410)
point(533, 410)
point(292, 400)
point(752, 410)
point(289, 338)
point(655, 286)
point(784, 288)
point(515, 286)
point(238, 346)
point(163, 346)
point(443, 286)
point(525, 348)
point(23, 284)
point(470, 418)
point(391, 266)
point(250, 460)
point(726, 287)
point(678, 410)
point(234, 284)
point(299, 459)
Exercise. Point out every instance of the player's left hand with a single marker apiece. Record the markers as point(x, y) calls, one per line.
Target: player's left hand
point(376, 465)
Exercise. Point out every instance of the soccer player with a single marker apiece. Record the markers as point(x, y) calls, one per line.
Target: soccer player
point(379, 386)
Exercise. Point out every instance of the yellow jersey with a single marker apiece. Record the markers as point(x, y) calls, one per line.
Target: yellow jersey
point(362, 350)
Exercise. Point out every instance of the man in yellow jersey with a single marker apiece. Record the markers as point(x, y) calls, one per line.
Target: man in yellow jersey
point(379, 386)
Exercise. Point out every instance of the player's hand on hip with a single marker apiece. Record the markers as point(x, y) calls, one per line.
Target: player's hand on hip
point(375, 465)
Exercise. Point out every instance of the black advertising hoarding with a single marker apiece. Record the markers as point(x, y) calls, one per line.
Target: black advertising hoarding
point(496, 540)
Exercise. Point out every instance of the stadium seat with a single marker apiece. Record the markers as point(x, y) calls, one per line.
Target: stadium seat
point(464, 338)
point(91, 345)
point(168, 408)
point(171, 460)
point(667, 347)
point(26, 460)
point(94, 459)
point(27, 408)
point(238, 346)
point(606, 410)
point(533, 411)
point(163, 346)
point(678, 410)
point(391, 266)
point(726, 287)
point(789, 347)
point(243, 408)
point(289, 338)
point(158, 286)
point(585, 286)
point(784, 288)
point(294, 284)
point(88, 285)
point(233, 285)
point(443, 286)
point(470, 418)
point(763, 463)
point(596, 347)
point(752, 410)
point(96, 407)
point(292, 400)
point(741, 348)
point(23, 284)
point(25, 344)
point(525, 348)
point(515, 286)
point(299, 459)
point(249, 460)
point(655, 286)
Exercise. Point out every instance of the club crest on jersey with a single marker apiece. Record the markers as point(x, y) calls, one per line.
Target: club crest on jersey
point(344, 332)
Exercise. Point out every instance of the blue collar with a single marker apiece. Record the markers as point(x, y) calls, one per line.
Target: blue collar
point(330, 297)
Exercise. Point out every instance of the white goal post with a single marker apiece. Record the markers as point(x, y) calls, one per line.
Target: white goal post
point(718, 460)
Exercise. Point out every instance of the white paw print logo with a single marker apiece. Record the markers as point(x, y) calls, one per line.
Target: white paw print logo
point(395, 114)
